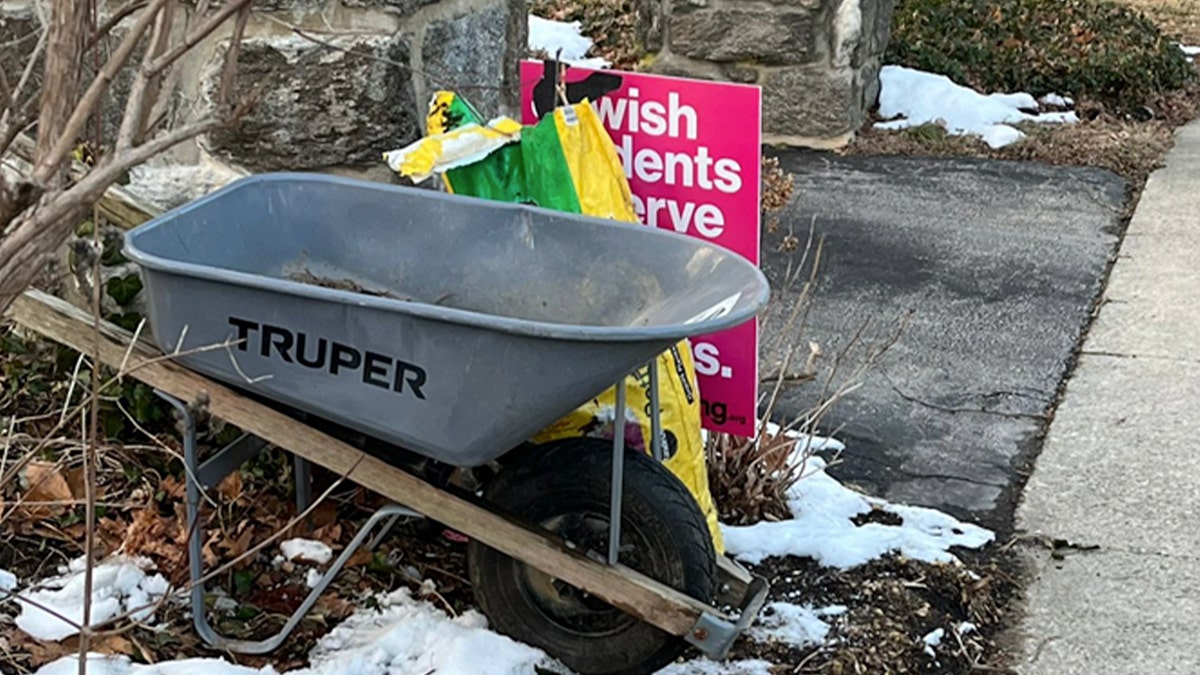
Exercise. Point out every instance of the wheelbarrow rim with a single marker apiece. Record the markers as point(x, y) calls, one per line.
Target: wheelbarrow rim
point(495, 322)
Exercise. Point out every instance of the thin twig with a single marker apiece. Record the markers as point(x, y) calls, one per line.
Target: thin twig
point(136, 100)
point(194, 37)
point(48, 165)
point(116, 18)
point(16, 120)
point(231, 57)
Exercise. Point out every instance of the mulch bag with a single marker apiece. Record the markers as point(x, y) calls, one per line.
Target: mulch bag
point(567, 162)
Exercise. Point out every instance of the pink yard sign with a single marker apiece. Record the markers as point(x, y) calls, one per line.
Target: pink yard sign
point(692, 152)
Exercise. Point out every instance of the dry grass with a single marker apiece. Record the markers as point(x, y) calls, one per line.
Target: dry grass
point(1179, 19)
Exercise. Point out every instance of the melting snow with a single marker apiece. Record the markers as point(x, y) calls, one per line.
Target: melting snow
point(312, 578)
point(911, 98)
point(1057, 101)
point(8, 580)
point(822, 529)
point(706, 667)
point(306, 549)
point(933, 640)
point(403, 636)
point(551, 36)
point(798, 625)
point(119, 584)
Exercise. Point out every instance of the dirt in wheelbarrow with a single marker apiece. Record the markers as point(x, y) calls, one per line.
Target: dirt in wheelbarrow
point(305, 276)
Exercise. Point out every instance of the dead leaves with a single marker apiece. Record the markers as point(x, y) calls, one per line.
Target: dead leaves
point(42, 652)
point(49, 489)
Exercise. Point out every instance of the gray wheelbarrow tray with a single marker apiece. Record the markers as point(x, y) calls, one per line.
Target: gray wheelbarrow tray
point(481, 322)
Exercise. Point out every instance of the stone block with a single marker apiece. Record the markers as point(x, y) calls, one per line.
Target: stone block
point(648, 27)
point(289, 5)
point(401, 7)
point(741, 72)
point(876, 29)
point(318, 107)
point(681, 66)
point(811, 102)
point(19, 30)
point(776, 38)
point(476, 54)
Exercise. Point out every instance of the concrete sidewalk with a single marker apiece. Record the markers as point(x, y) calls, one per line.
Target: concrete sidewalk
point(1120, 468)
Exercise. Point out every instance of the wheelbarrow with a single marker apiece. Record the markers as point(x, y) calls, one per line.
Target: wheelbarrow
point(437, 332)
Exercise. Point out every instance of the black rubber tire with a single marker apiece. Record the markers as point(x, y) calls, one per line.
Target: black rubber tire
point(664, 535)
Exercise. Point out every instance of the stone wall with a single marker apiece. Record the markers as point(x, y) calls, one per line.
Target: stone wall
point(337, 82)
point(817, 60)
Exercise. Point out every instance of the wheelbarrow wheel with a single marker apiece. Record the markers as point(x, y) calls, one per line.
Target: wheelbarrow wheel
point(565, 488)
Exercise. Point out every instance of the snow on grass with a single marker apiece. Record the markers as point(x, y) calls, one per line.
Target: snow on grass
point(1191, 52)
point(8, 580)
point(119, 585)
point(412, 636)
point(306, 550)
point(1057, 101)
point(402, 636)
point(822, 528)
point(552, 36)
point(912, 98)
point(932, 640)
point(706, 667)
point(796, 625)
point(312, 578)
point(121, 665)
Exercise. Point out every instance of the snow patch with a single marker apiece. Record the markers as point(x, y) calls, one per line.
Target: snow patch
point(403, 636)
point(1057, 101)
point(932, 640)
point(1190, 51)
point(797, 625)
point(99, 664)
point(312, 578)
point(966, 627)
point(912, 98)
point(119, 585)
point(705, 667)
point(8, 580)
point(822, 528)
point(551, 36)
point(306, 550)
point(411, 636)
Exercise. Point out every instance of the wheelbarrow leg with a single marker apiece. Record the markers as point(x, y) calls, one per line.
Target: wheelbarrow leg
point(302, 472)
point(618, 459)
point(618, 476)
point(388, 514)
point(656, 430)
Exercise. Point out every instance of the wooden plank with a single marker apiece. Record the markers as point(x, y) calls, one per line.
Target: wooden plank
point(622, 587)
point(733, 581)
